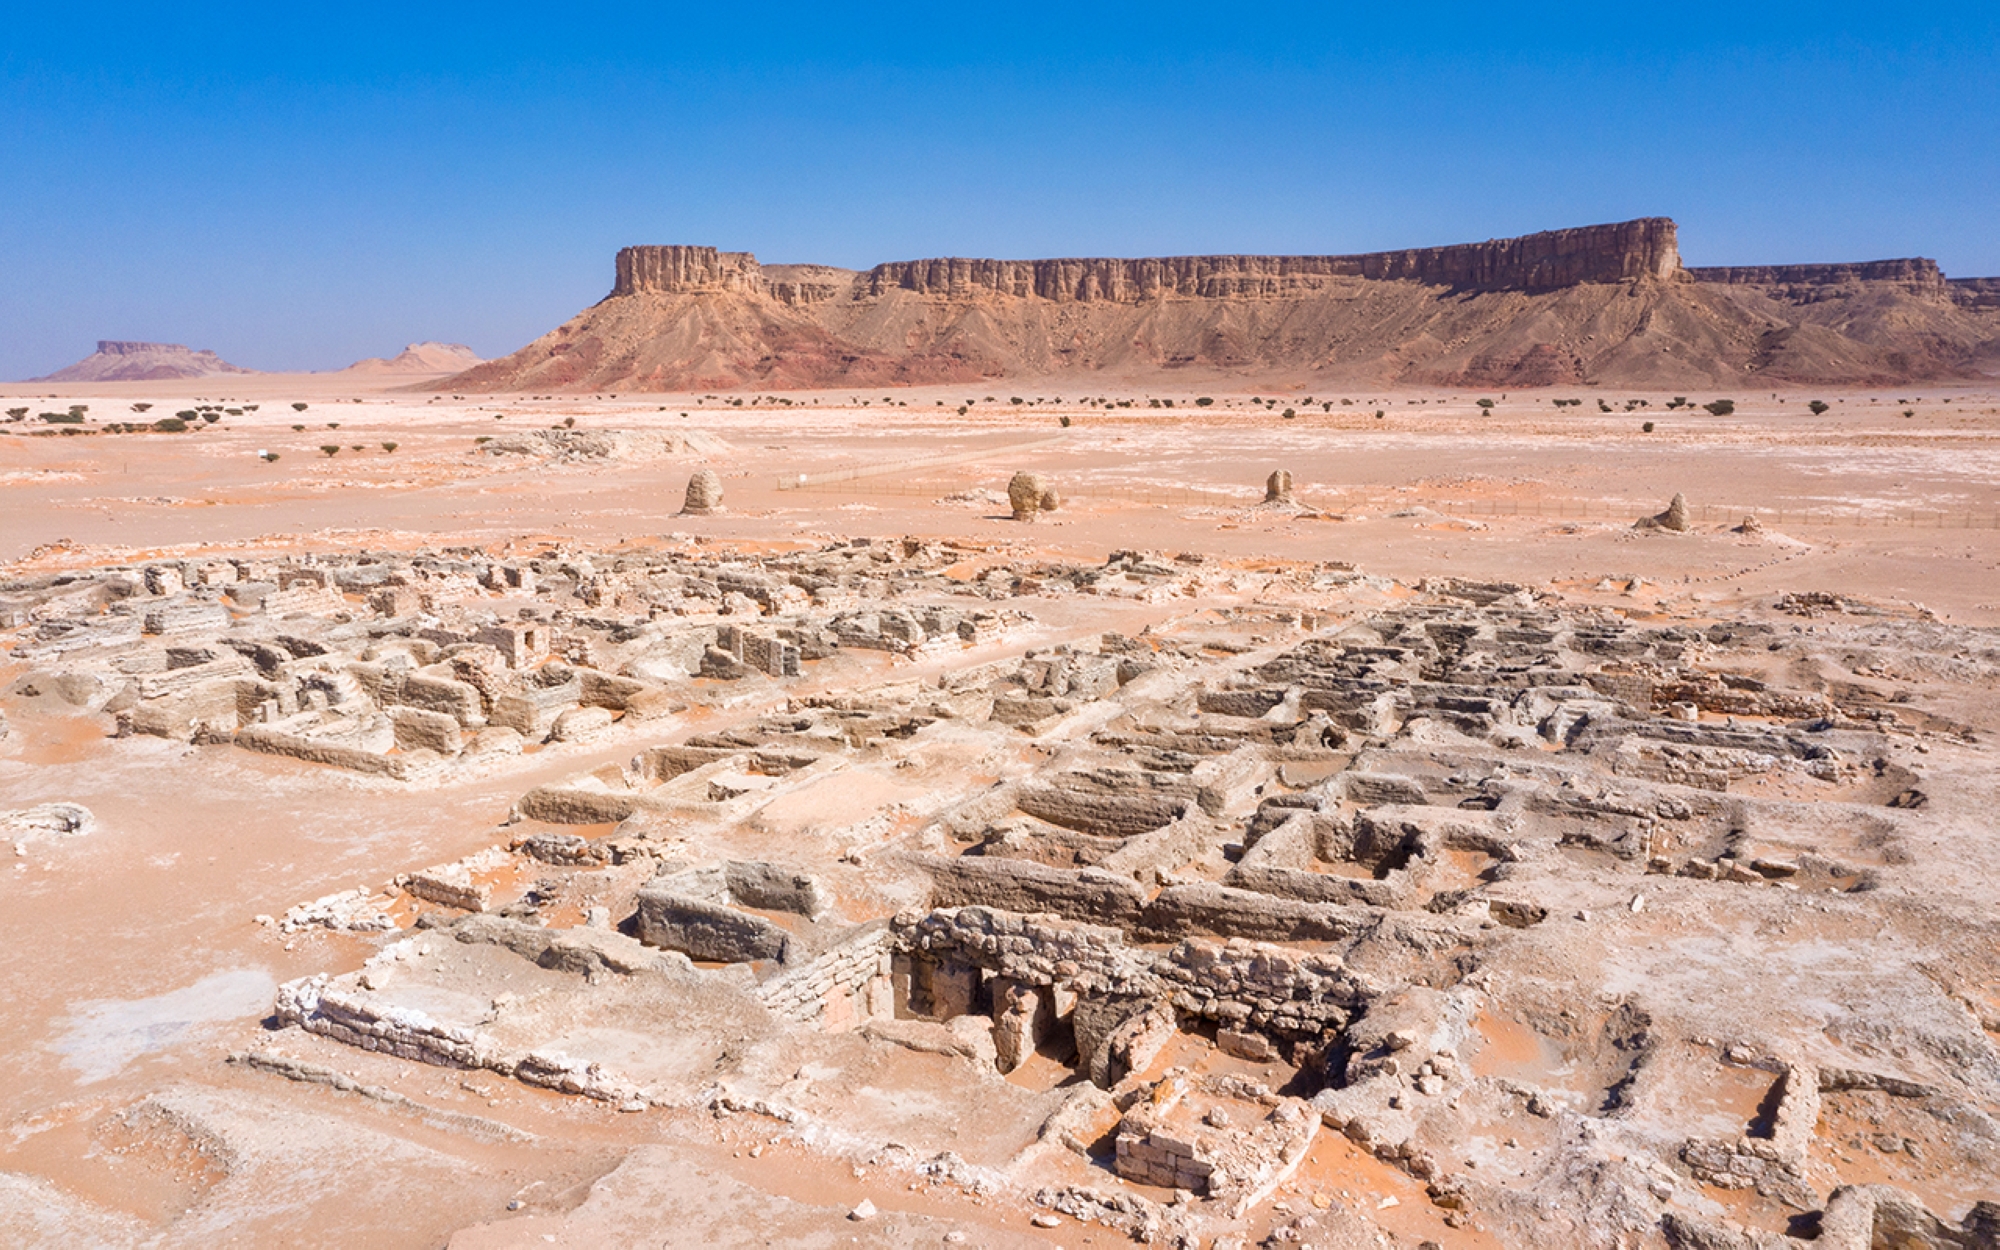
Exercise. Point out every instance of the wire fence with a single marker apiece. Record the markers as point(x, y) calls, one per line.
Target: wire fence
point(865, 481)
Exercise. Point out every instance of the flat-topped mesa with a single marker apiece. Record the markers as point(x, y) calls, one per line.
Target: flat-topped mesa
point(132, 347)
point(675, 269)
point(1622, 252)
point(1913, 273)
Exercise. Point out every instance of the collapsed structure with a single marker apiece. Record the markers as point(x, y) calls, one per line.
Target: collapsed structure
point(1448, 875)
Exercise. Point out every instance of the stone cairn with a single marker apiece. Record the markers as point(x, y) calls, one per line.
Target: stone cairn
point(1675, 518)
point(704, 493)
point(1278, 487)
point(1027, 493)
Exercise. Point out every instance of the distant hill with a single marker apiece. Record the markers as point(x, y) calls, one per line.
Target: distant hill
point(1596, 305)
point(117, 360)
point(420, 358)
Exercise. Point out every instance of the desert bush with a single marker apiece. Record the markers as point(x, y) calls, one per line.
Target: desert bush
point(1015, 399)
point(1379, 414)
point(1289, 414)
point(1603, 407)
point(331, 449)
point(962, 408)
point(1909, 412)
point(170, 425)
point(63, 418)
point(1485, 404)
point(1065, 422)
point(16, 414)
point(569, 423)
point(298, 427)
point(141, 407)
point(388, 447)
point(234, 412)
point(298, 407)
point(1203, 402)
point(1678, 401)
point(211, 417)
point(1646, 428)
point(1720, 407)
point(333, 425)
point(1818, 406)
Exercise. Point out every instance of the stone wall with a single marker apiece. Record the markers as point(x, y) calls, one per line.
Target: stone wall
point(841, 987)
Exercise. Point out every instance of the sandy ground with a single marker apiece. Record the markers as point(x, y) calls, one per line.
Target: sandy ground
point(132, 965)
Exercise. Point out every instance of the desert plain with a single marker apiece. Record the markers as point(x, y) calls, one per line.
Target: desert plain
point(453, 838)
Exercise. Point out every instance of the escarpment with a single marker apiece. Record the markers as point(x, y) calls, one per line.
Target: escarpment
point(1594, 305)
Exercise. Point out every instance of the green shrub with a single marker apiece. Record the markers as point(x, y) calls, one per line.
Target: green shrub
point(63, 418)
point(1289, 414)
point(269, 456)
point(298, 427)
point(388, 447)
point(141, 407)
point(1720, 408)
point(1909, 412)
point(1486, 404)
point(170, 425)
point(1646, 428)
point(331, 449)
point(188, 414)
point(1065, 422)
point(1818, 406)
point(1203, 402)
point(211, 417)
point(16, 414)
point(298, 407)
point(1603, 407)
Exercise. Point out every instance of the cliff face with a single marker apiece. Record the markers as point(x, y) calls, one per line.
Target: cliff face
point(1606, 304)
point(1623, 252)
point(1917, 273)
point(677, 270)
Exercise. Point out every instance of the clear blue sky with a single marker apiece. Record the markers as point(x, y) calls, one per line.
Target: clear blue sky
point(299, 185)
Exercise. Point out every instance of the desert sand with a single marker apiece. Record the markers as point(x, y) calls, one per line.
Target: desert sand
point(1432, 855)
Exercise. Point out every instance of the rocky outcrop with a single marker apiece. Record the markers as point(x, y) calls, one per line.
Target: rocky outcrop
point(704, 493)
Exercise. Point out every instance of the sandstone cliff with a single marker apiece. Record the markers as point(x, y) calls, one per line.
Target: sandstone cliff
point(121, 360)
point(1606, 304)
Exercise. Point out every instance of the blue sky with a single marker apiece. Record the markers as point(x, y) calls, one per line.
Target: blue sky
point(298, 186)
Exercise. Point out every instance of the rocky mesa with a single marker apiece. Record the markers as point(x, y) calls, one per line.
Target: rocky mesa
point(1607, 304)
point(119, 360)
